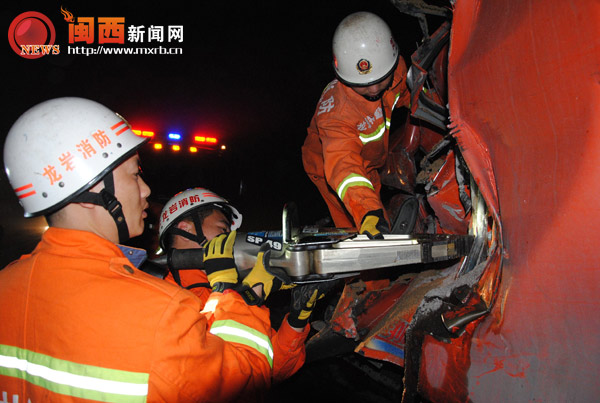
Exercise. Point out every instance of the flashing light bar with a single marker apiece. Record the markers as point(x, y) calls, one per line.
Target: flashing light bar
point(201, 141)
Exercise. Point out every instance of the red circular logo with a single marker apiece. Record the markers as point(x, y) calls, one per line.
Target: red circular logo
point(31, 28)
point(363, 66)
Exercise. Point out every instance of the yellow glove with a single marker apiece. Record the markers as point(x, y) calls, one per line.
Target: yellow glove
point(374, 225)
point(304, 300)
point(219, 264)
point(271, 279)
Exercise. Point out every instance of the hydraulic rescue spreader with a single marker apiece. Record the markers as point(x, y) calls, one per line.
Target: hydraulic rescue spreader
point(311, 254)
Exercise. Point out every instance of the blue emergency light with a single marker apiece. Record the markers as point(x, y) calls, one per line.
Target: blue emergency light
point(174, 136)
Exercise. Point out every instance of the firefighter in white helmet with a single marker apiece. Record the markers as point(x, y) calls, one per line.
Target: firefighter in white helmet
point(193, 217)
point(347, 139)
point(59, 149)
point(189, 220)
point(80, 321)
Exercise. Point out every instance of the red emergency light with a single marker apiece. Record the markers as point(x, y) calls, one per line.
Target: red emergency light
point(143, 133)
point(205, 139)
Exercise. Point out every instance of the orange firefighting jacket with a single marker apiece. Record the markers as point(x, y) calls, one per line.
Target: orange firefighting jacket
point(347, 143)
point(79, 323)
point(289, 351)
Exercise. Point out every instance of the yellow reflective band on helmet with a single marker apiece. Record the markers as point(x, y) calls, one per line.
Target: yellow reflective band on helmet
point(353, 180)
point(73, 379)
point(235, 332)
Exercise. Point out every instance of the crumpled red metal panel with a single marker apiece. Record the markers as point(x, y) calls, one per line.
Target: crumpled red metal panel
point(364, 303)
point(386, 337)
point(524, 96)
point(443, 197)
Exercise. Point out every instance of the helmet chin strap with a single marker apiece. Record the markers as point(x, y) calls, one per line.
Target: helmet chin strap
point(106, 198)
point(198, 237)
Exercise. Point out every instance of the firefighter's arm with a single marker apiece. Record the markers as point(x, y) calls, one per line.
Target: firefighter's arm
point(345, 170)
point(289, 350)
point(198, 362)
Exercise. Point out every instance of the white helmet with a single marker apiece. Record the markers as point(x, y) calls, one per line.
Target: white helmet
point(364, 51)
point(60, 148)
point(183, 203)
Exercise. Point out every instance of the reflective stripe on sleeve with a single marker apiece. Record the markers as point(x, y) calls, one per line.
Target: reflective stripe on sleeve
point(376, 135)
point(352, 180)
point(395, 101)
point(380, 130)
point(232, 331)
point(73, 379)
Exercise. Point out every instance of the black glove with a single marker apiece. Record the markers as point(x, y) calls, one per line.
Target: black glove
point(304, 300)
point(374, 225)
point(219, 264)
point(271, 278)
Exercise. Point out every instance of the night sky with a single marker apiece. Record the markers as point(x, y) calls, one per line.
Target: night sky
point(250, 74)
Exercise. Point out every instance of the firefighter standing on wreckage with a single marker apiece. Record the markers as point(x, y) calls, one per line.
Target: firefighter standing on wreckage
point(348, 136)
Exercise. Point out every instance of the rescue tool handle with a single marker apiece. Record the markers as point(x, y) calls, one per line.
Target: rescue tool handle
point(185, 259)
